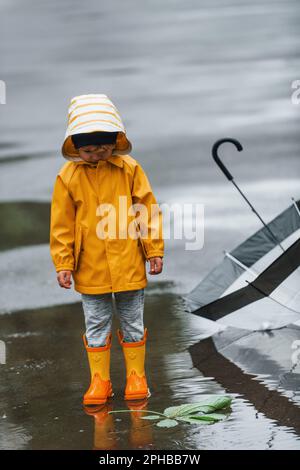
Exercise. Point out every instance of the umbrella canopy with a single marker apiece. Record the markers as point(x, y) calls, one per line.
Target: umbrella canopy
point(258, 281)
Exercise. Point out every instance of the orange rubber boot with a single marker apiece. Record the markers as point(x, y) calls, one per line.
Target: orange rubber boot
point(99, 360)
point(136, 382)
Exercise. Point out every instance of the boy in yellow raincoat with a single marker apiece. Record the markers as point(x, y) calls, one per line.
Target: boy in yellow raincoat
point(105, 224)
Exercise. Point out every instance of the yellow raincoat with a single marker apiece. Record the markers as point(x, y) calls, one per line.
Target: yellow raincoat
point(85, 196)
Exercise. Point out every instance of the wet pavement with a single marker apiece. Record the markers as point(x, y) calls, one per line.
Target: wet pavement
point(182, 76)
point(47, 373)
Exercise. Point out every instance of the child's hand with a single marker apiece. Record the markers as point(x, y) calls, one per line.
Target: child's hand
point(156, 265)
point(64, 279)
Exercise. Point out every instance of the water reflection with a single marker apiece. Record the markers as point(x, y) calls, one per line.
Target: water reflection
point(139, 432)
point(265, 392)
point(104, 426)
point(43, 381)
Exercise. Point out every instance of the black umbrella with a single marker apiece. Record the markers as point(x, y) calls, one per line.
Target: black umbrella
point(261, 276)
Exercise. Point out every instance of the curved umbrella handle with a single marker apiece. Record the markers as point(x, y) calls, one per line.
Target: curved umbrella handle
point(216, 157)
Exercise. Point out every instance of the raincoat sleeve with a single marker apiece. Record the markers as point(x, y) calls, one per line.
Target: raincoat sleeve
point(149, 219)
point(62, 227)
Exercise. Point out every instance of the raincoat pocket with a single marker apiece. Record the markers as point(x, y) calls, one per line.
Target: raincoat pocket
point(77, 247)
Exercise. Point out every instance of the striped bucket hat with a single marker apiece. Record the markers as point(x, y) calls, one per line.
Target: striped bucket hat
point(91, 113)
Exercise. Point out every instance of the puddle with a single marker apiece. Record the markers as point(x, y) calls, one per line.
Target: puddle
point(47, 373)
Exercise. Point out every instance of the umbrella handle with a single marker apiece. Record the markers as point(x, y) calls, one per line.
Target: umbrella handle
point(229, 176)
point(216, 157)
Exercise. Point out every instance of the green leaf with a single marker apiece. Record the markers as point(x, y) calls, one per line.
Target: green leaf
point(181, 410)
point(204, 418)
point(150, 417)
point(192, 420)
point(208, 405)
point(215, 402)
point(167, 423)
point(201, 412)
point(216, 416)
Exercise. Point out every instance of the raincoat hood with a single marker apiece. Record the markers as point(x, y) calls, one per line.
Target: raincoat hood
point(90, 113)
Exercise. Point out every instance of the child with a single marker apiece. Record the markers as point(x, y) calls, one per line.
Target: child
point(102, 178)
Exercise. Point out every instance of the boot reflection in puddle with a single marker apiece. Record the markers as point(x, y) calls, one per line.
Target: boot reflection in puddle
point(104, 426)
point(140, 435)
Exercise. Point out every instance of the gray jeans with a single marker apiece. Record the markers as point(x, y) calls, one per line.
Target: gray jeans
point(98, 312)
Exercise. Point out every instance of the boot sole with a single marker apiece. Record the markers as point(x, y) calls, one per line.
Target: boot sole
point(138, 396)
point(99, 401)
